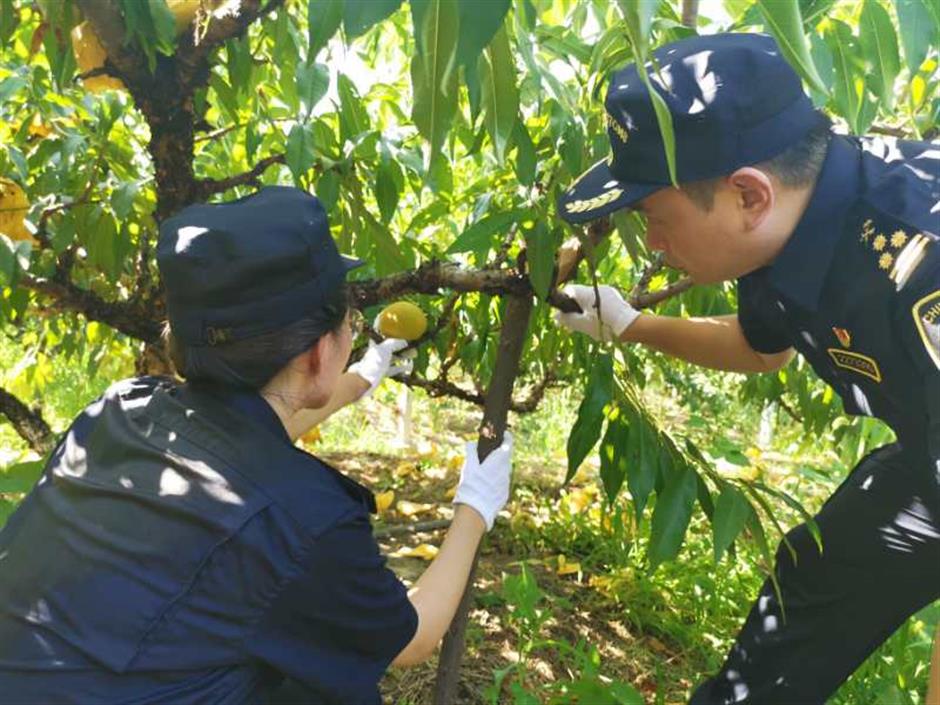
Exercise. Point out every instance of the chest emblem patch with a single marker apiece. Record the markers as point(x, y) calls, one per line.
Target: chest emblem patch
point(927, 319)
point(843, 336)
point(856, 362)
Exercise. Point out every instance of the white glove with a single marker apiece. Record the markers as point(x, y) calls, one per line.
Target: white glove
point(378, 361)
point(616, 313)
point(485, 486)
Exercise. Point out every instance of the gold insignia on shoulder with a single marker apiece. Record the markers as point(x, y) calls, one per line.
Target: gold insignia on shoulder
point(898, 238)
point(590, 204)
point(844, 337)
point(885, 261)
point(616, 127)
point(908, 259)
point(878, 244)
point(868, 229)
point(856, 362)
point(927, 320)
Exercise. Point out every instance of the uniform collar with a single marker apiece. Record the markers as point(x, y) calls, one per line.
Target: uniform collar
point(248, 403)
point(800, 269)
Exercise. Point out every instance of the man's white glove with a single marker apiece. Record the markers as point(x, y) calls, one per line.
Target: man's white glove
point(485, 486)
point(380, 362)
point(616, 314)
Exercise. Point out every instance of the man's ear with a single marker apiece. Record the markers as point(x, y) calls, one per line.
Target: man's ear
point(755, 195)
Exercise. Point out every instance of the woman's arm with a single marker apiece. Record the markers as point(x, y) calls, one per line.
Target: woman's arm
point(482, 492)
point(437, 592)
point(349, 388)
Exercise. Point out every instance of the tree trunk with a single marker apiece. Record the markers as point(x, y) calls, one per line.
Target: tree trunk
point(498, 398)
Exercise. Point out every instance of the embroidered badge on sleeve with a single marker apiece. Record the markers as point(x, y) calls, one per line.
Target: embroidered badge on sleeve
point(927, 319)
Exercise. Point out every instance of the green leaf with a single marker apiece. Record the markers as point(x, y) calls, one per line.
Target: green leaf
point(353, 119)
point(614, 451)
point(300, 155)
point(122, 198)
point(526, 157)
point(541, 245)
point(479, 21)
point(388, 185)
point(587, 426)
point(664, 118)
point(641, 474)
point(433, 69)
point(9, 86)
point(918, 29)
point(9, 19)
point(500, 97)
point(7, 260)
point(6, 509)
point(880, 44)
point(164, 26)
point(626, 694)
point(849, 72)
point(638, 18)
point(328, 189)
point(471, 77)
point(731, 513)
point(360, 15)
point(21, 477)
point(239, 64)
point(313, 81)
point(671, 516)
point(324, 17)
point(786, 24)
point(388, 257)
point(480, 235)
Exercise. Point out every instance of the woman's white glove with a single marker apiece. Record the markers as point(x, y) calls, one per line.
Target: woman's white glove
point(616, 313)
point(485, 486)
point(380, 362)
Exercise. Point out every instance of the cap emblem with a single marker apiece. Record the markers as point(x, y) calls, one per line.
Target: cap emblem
point(616, 127)
point(590, 204)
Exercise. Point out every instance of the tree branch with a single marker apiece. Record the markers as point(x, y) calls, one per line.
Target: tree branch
point(207, 187)
point(121, 316)
point(28, 423)
point(689, 13)
point(442, 387)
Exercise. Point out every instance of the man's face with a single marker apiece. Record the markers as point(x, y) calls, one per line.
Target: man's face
point(703, 243)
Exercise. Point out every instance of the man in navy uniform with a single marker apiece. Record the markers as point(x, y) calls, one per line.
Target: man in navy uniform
point(833, 241)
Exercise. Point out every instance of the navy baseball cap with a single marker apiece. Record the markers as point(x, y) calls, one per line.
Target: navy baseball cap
point(734, 101)
point(242, 268)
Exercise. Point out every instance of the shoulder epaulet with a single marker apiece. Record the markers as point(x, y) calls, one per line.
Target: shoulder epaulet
point(896, 251)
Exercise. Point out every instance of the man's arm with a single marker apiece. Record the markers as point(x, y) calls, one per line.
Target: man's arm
point(716, 342)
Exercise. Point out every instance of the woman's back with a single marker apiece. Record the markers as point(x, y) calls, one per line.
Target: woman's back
point(171, 552)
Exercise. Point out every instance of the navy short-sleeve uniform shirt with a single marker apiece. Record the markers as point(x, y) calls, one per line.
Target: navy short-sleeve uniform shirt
point(179, 549)
point(854, 289)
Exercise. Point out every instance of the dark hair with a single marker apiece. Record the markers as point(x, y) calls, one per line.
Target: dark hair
point(795, 167)
point(252, 362)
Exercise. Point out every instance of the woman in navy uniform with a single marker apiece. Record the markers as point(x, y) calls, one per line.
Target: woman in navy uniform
point(178, 547)
point(834, 244)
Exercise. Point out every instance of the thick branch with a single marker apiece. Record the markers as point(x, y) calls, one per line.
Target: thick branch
point(689, 13)
point(498, 399)
point(28, 423)
point(435, 275)
point(119, 315)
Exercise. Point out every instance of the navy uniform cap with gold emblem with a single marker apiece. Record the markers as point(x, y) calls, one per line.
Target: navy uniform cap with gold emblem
point(242, 268)
point(734, 101)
